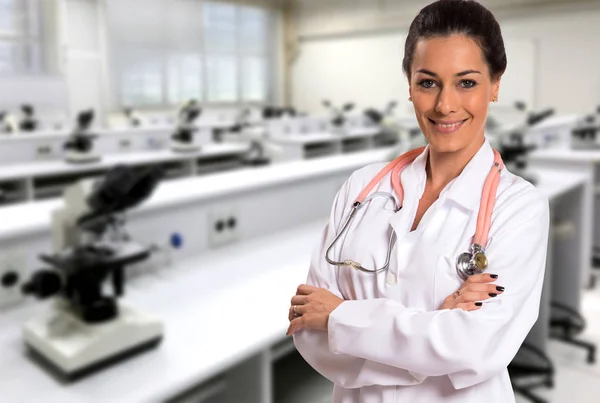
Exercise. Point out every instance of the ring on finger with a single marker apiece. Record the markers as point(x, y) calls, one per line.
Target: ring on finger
point(294, 310)
point(457, 294)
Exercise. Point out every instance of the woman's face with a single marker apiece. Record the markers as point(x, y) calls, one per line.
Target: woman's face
point(451, 88)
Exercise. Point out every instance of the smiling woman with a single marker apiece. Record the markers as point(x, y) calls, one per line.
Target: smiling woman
point(386, 313)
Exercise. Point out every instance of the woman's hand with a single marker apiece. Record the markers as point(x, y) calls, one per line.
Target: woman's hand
point(312, 308)
point(472, 292)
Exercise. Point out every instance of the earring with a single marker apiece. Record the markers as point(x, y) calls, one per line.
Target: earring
point(409, 99)
point(495, 99)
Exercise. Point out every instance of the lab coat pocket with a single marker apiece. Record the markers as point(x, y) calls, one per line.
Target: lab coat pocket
point(446, 279)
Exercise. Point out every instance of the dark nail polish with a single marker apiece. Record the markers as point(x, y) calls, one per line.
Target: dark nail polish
point(493, 275)
point(492, 294)
point(478, 303)
point(500, 288)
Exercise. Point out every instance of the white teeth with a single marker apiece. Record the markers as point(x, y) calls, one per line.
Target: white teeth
point(450, 125)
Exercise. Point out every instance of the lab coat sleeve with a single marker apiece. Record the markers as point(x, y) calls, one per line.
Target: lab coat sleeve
point(469, 347)
point(344, 370)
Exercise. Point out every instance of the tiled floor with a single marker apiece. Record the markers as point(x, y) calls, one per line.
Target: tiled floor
point(575, 380)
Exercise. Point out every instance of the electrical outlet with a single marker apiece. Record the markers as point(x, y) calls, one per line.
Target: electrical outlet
point(223, 227)
point(13, 272)
point(124, 144)
point(44, 151)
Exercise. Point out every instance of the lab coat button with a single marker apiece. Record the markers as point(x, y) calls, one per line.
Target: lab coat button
point(391, 279)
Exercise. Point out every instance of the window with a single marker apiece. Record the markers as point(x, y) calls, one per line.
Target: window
point(20, 50)
point(213, 51)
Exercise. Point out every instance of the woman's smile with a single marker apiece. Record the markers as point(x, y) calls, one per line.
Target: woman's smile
point(447, 126)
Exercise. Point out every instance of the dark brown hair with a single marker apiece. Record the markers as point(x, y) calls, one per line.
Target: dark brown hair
point(463, 17)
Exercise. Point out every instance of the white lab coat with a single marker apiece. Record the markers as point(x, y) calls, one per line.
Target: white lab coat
point(389, 342)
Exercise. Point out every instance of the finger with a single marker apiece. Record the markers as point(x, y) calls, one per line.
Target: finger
point(481, 278)
point(301, 309)
point(295, 325)
point(291, 314)
point(482, 287)
point(300, 299)
point(468, 306)
point(305, 289)
point(472, 297)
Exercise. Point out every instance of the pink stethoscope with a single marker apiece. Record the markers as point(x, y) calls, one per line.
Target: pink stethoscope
point(472, 262)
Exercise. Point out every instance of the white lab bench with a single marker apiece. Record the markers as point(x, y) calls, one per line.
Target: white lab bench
point(565, 263)
point(39, 180)
point(204, 294)
point(319, 144)
point(588, 163)
point(225, 309)
point(48, 145)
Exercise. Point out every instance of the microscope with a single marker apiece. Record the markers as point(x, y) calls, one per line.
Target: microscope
point(79, 146)
point(261, 150)
point(584, 135)
point(183, 138)
point(28, 123)
point(389, 129)
point(338, 120)
point(8, 123)
point(132, 117)
point(85, 328)
point(513, 147)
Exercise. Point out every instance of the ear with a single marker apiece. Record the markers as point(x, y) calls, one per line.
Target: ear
point(495, 88)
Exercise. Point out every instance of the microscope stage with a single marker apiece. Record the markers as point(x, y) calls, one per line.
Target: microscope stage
point(73, 348)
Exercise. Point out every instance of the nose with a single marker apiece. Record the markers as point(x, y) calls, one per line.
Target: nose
point(447, 102)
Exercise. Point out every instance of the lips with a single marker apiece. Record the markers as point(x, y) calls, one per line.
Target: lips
point(447, 126)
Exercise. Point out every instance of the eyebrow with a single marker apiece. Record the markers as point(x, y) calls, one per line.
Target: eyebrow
point(462, 73)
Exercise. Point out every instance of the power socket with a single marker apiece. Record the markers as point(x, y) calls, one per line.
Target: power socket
point(13, 272)
point(124, 144)
point(44, 151)
point(223, 227)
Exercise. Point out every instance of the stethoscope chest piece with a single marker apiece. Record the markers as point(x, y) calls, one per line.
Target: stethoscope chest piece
point(472, 262)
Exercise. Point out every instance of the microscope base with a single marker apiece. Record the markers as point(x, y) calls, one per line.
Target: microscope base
point(81, 158)
point(184, 148)
point(73, 349)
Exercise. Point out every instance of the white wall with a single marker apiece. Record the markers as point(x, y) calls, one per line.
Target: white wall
point(84, 65)
point(568, 58)
point(366, 70)
point(553, 62)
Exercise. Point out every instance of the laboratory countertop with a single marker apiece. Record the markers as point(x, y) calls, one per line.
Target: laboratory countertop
point(116, 131)
point(565, 154)
point(319, 137)
point(50, 168)
point(555, 182)
point(554, 121)
point(204, 304)
point(34, 216)
point(193, 297)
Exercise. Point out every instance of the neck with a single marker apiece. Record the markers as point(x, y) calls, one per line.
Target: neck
point(442, 168)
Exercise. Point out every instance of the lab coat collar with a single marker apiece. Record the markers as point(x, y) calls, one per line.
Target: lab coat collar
point(466, 188)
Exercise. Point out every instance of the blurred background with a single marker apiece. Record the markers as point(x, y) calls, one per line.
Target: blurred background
point(166, 167)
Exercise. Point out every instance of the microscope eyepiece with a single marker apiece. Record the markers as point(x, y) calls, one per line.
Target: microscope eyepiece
point(122, 188)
